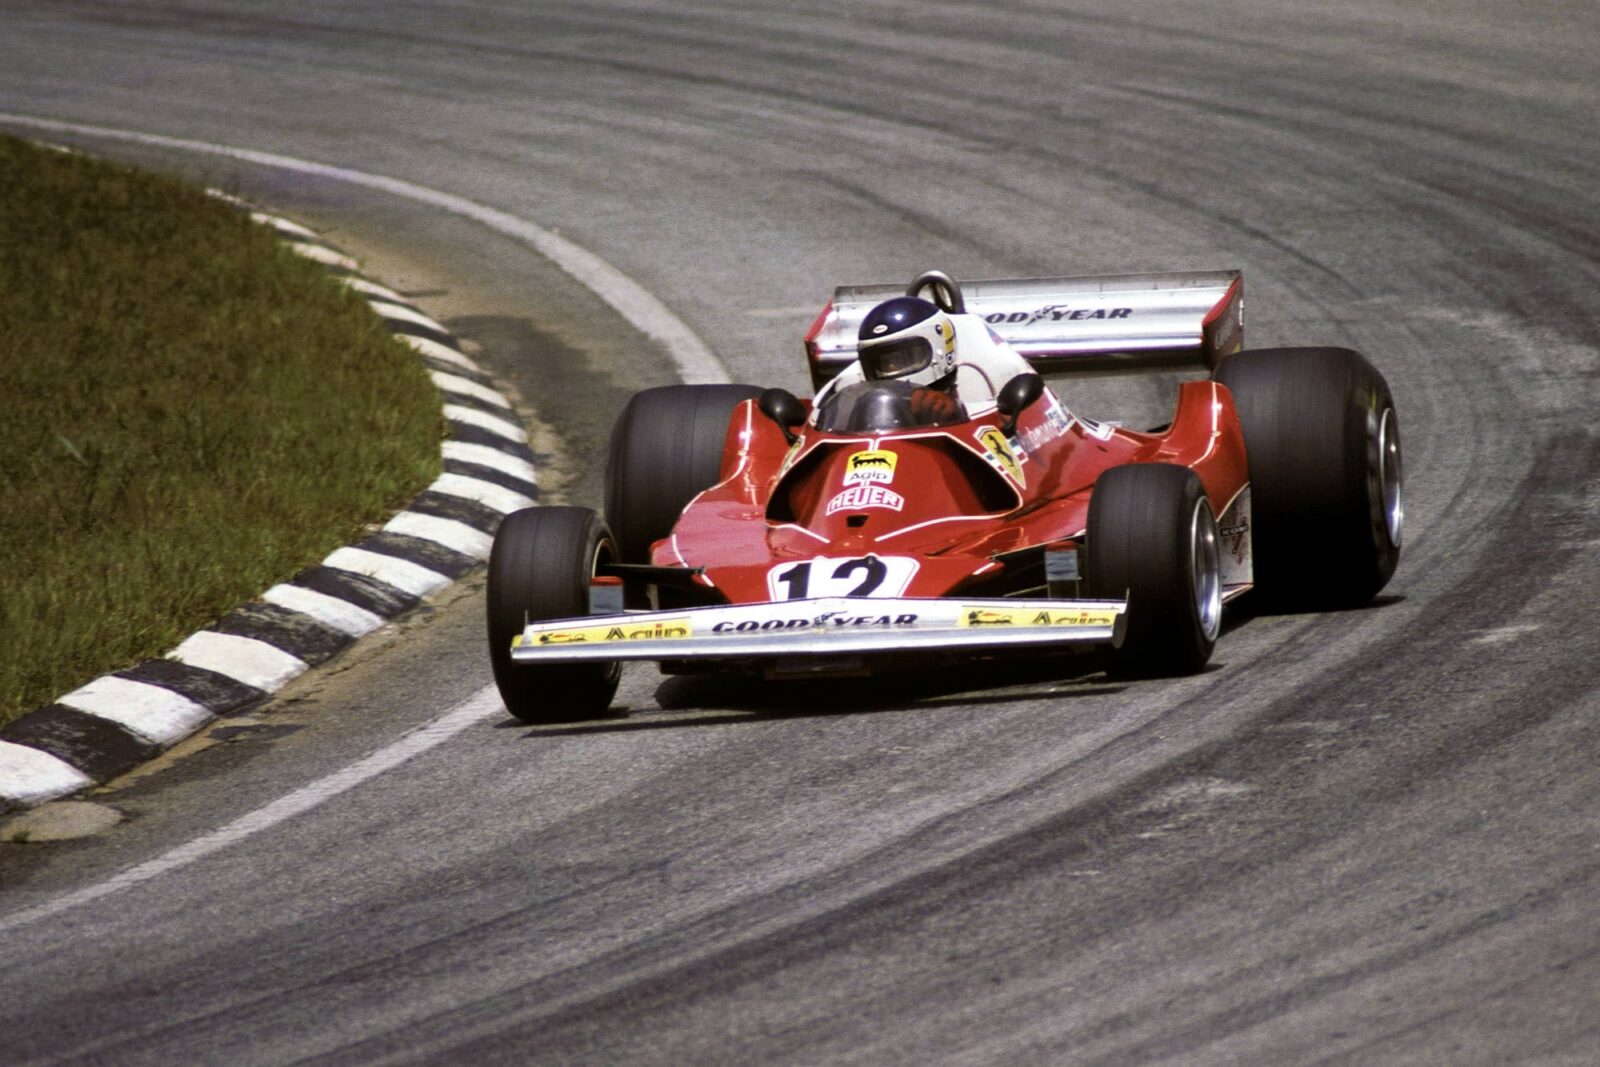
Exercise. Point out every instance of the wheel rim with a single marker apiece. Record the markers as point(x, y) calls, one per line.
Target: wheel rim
point(605, 552)
point(1205, 565)
point(1394, 509)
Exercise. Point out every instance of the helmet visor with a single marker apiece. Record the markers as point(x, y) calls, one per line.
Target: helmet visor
point(895, 359)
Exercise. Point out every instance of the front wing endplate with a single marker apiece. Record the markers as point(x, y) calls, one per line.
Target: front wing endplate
point(852, 625)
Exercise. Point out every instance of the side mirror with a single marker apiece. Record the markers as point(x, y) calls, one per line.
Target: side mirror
point(1015, 398)
point(783, 408)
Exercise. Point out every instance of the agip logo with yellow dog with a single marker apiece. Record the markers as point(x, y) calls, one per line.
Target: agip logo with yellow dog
point(1072, 617)
point(872, 467)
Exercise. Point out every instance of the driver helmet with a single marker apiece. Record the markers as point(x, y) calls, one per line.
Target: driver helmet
point(907, 339)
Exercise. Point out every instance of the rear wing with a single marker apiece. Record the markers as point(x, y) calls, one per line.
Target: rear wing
point(1126, 322)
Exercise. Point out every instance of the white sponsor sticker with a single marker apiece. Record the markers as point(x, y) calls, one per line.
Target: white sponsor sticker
point(1056, 423)
point(1100, 431)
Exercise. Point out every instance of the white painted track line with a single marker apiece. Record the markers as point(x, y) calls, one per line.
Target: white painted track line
point(152, 712)
point(473, 417)
point(405, 314)
point(448, 532)
point(326, 256)
point(285, 227)
point(481, 705)
point(493, 458)
point(434, 350)
point(488, 494)
point(694, 360)
point(452, 383)
point(368, 287)
point(31, 775)
point(331, 611)
point(252, 662)
point(407, 577)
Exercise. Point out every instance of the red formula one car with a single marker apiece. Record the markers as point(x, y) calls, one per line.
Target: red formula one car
point(751, 530)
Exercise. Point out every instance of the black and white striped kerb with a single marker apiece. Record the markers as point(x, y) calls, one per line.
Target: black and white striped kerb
point(116, 722)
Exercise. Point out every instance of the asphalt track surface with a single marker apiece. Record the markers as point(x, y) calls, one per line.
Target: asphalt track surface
point(1371, 836)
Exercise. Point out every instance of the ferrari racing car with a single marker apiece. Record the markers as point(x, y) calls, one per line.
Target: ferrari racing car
point(750, 530)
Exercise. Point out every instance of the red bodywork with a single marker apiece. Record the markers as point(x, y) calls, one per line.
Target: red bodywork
point(951, 506)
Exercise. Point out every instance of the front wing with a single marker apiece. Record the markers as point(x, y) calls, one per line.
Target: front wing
point(832, 625)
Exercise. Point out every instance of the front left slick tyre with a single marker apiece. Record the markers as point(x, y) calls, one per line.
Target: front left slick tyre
point(540, 568)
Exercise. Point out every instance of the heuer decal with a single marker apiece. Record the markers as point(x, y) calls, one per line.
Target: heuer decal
point(871, 466)
point(866, 496)
point(999, 453)
point(665, 629)
point(1097, 617)
point(830, 620)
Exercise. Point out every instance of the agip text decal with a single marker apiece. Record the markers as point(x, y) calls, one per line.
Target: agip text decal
point(660, 630)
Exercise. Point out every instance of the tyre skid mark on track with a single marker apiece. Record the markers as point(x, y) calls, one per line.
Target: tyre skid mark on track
point(703, 958)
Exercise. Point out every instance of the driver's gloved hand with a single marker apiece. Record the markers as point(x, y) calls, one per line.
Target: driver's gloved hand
point(932, 407)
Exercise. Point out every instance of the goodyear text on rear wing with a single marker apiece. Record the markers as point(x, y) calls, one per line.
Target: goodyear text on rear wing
point(1127, 322)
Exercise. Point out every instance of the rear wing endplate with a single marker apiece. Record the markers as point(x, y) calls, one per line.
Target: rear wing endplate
point(1124, 322)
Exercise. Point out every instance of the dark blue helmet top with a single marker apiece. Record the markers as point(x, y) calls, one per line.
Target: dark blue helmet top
point(907, 339)
point(892, 316)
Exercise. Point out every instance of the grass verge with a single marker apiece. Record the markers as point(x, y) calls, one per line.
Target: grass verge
point(190, 413)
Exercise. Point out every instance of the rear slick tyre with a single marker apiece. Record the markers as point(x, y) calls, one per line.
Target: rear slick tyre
point(666, 447)
point(1323, 444)
point(1152, 537)
point(539, 568)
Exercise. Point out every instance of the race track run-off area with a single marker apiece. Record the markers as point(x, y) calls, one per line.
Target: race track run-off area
point(1359, 837)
